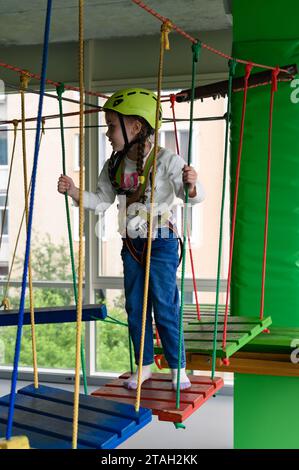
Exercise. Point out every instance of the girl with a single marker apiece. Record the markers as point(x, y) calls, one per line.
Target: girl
point(130, 116)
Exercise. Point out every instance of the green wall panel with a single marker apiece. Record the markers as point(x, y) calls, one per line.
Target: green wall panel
point(266, 408)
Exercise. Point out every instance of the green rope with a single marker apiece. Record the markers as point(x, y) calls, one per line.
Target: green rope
point(114, 321)
point(117, 321)
point(196, 48)
point(232, 67)
point(60, 90)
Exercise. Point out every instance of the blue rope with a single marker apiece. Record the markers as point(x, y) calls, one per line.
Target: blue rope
point(29, 227)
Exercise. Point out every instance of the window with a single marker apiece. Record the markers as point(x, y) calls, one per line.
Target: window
point(3, 215)
point(76, 152)
point(168, 140)
point(3, 147)
point(183, 140)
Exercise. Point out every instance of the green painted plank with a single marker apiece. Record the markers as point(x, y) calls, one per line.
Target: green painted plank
point(207, 336)
point(209, 319)
point(236, 328)
point(203, 341)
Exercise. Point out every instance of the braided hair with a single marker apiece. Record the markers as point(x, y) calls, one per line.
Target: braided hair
point(117, 157)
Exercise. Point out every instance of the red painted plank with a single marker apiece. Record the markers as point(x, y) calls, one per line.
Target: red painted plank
point(157, 395)
point(159, 385)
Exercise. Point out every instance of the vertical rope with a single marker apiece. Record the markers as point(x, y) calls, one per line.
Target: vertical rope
point(15, 124)
point(196, 48)
point(24, 79)
point(172, 101)
point(30, 217)
point(232, 67)
point(17, 242)
point(236, 193)
point(81, 226)
point(165, 28)
point(60, 90)
point(273, 90)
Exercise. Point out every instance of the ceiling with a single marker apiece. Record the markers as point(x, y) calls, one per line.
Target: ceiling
point(22, 22)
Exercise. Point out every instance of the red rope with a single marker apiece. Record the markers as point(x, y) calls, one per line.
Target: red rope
point(50, 82)
point(172, 98)
point(273, 90)
point(51, 116)
point(246, 77)
point(193, 40)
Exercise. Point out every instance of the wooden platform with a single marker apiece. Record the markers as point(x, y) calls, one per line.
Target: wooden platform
point(54, 315)
point(45, 416)
point(158, 395)
point(279, 365)
point(199, 335)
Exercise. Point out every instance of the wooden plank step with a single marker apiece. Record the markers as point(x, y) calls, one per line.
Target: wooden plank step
point(54, 315)
point(158, 395)
point(53, 409)
point(202, 341)
point(38, 440)
point(48, 411)
point(55, 428)
point(66, 397)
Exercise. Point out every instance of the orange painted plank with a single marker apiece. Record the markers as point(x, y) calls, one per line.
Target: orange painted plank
point(159, 385)
point(157, 394)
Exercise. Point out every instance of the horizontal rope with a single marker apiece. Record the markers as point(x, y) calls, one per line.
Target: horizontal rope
point(194, 41)
point(48, 81)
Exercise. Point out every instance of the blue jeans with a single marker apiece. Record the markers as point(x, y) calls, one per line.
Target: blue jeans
point(163, 298)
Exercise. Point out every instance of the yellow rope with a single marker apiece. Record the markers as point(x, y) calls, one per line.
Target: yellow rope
point(16, 247)
point(166, 28)
point(5, 301)
point(15, 124)
point(24, 79)
point(151, 217)
point(81, 226)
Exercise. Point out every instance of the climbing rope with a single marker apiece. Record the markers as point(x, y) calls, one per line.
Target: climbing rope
point(60, 91)
point(163, 19)
point(248, 68)
point(81, 226)
point(15, 125)
point(172, 104)
point(24, 80)
point(232, 67)
point(196, 49)
point(29, 228)
point(5, 301)
point(165, 28)
point(273, 90)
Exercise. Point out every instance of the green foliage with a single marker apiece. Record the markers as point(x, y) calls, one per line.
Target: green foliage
point(113, 341)
point(55, 343)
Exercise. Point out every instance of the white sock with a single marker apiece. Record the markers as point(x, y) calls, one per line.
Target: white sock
point(184, 381)
point(131, 382)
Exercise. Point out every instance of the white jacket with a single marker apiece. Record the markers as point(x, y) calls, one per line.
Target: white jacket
point(168, 186)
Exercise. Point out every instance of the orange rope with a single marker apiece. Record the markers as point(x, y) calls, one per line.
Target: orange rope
point(235, 203)
point(50, 82)
point(273, 90)
point(51, 116)
point(193, 40)
point(172, 101)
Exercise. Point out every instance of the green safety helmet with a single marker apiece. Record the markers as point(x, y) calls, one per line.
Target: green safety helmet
point(135, 102)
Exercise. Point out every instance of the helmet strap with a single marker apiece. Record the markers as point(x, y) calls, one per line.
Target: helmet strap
point(123, 128)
